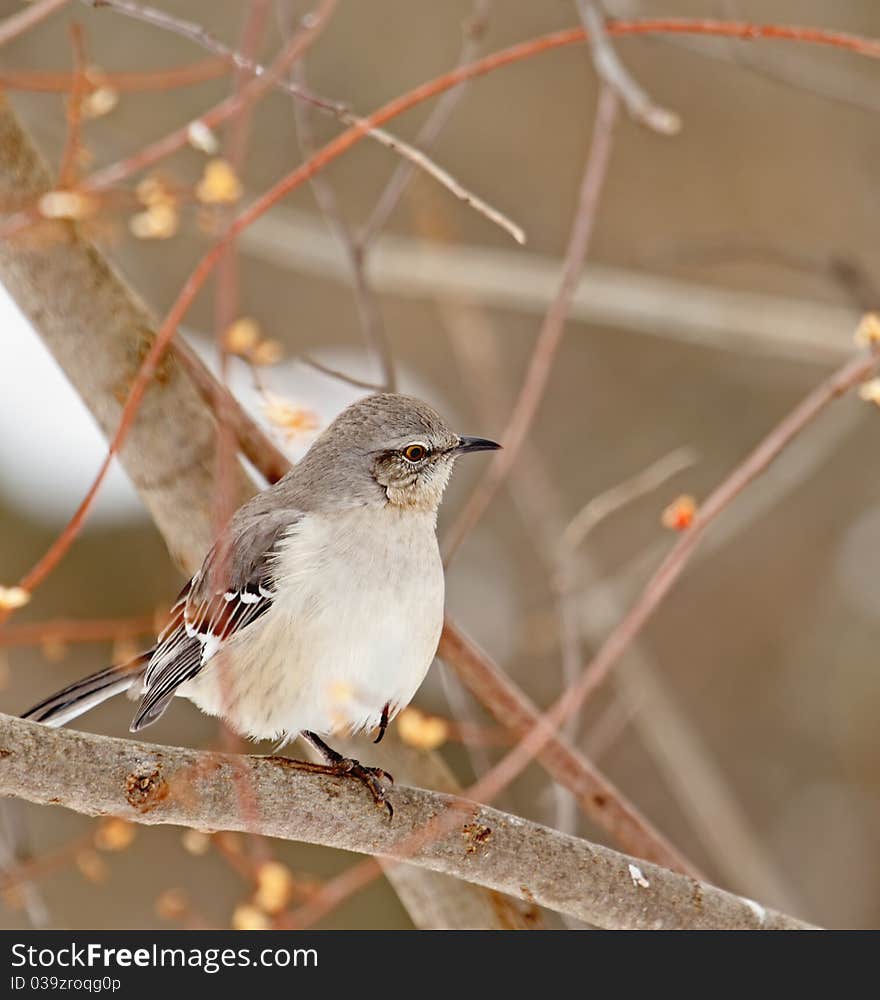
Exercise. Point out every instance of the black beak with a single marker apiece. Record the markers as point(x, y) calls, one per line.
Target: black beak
point(468, 444)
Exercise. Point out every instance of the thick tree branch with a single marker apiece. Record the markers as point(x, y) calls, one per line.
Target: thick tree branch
point(149, 784)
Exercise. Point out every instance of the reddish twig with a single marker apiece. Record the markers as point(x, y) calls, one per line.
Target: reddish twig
point(196, 33)
point(597, 797)
point(744, 31)
point(850, 375)
point(67, 170)
point(46, 863)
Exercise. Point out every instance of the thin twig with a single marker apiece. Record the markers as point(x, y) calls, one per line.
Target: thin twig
point(68, 169)
point(30, 17)
point(846, 378)
point(123, 82)
point(336, 373)
point(550, 336)
point(196, 33)
point(599, 507)
point(610, 69)
point(745, 31)
point(598, 797)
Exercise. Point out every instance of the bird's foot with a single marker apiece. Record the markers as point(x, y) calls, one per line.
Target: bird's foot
point(373, 779)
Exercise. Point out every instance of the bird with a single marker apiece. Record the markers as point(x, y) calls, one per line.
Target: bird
point(318, 611)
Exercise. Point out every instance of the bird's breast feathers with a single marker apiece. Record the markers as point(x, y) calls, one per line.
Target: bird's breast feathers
point(354, 624)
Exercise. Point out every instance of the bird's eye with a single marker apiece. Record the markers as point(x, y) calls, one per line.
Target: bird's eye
point(415, 452)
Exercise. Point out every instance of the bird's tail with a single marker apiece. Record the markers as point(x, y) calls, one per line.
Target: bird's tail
point(65, 705)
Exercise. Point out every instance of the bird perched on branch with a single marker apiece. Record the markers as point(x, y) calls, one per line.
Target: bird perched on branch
point(320, 608)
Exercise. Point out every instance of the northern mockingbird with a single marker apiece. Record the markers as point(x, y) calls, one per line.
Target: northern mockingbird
point(320, 609)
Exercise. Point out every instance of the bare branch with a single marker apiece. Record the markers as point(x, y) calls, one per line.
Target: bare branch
point(752, 323)
point(599, 507)
point(196, 33)
point(616, 644)
point(151, 784)
point(610, 69)
point(30, 17)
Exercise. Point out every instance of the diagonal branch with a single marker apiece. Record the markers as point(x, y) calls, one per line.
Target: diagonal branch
point(150, 784)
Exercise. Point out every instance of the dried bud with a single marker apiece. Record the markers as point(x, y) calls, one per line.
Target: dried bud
point(155, 190)
point(293, 420)
point(274, 887)
point(868, 331)
point(91, 865)
point(114, 835)
point(12, 598)
point(248, 918)
point(202, 138)
point(870, 391)
point(242, 336)
point(65, 205)
point(159, 222)
point(424, 732)
point(54, 650)
point(99, 102)
point(196, 842)
point(219, 184)
point(266, 353)
point(172, 904)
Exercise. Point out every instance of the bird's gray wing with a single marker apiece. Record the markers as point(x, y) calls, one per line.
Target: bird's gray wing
point(233, 588)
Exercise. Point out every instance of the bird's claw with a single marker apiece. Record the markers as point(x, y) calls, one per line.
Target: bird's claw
point(373, 778)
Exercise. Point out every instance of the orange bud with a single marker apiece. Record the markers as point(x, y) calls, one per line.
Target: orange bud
point(679, 515)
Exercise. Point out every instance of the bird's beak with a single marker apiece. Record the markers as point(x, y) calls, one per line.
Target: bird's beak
point(468, 444)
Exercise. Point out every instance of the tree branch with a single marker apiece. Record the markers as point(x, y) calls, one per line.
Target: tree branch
point(610, 69)
point(142, 783)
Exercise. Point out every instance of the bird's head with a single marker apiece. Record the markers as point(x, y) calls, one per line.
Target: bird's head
point(401, 444)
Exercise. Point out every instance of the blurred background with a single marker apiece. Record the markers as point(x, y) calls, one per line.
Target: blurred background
point(727, 272)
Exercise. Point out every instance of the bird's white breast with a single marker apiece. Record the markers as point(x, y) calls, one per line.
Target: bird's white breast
point(354, 624)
